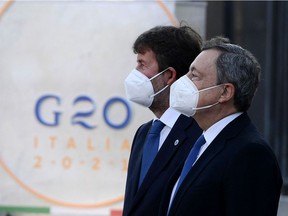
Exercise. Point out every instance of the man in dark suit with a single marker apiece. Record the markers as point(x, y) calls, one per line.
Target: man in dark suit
point(235, 173)
point(164, 54)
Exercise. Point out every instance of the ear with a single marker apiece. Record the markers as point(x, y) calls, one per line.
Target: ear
point(228, 93)
point(170, 75)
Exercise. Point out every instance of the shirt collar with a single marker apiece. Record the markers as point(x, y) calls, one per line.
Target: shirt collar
point(169, 117)
point(216, 128)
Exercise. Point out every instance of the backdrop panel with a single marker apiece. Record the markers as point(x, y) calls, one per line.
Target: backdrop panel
point(66, 127)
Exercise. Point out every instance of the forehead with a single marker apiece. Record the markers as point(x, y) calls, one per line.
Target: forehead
point(205, 62)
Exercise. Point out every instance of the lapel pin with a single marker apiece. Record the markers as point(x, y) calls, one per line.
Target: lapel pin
point(176, 142)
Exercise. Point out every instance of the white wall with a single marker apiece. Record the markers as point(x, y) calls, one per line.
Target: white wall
point(77, 53)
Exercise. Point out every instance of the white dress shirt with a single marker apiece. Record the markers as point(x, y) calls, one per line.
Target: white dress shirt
point(169, 118)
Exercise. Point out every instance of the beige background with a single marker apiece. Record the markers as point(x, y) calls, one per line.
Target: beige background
point(68, 49)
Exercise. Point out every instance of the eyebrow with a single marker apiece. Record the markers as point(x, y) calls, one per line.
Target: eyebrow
point(192, 68)
point(141, 61)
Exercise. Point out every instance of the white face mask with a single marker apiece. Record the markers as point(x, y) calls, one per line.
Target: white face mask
point(139, 88)
point(184, 96)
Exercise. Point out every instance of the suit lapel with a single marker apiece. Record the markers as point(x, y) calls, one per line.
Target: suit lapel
point(197, 169)
point(174, 140)
point(217, 145)
point(137, 146)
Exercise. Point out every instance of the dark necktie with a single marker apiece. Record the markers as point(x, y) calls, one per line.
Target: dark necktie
point(191, 159)
point(150, 148)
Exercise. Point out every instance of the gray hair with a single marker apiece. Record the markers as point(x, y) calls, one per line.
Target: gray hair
point(237, 66)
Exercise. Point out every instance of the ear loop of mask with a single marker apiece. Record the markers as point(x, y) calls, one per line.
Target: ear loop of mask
point(208, 106)
point(153, 95)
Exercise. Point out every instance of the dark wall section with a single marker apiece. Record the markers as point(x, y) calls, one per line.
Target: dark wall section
point(262, 28)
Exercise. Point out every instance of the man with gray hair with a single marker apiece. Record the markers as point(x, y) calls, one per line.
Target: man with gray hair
point(232, 170)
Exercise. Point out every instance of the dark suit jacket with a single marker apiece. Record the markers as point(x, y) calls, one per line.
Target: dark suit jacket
point(237, 175)
point(145, 200)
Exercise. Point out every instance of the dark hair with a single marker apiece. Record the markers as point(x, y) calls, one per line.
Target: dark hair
point(237, 66)
point(175, 47)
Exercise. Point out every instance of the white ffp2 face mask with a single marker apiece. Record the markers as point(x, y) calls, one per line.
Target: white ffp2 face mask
point(139, 88)
point(184, 96)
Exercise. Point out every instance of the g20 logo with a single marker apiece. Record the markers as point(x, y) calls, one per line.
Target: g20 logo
point(80, 117)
